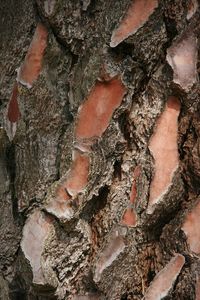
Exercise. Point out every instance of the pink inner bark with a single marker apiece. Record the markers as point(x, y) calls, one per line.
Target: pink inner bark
point(97, 110)
point(76, 181)
point(60, 206)
point(165, 279)
point(30, 69)
point(182, 57)
point(164, 148)
point(78, 175)
point(191, 228)
point(115, 246)
point(35, 232)
point(138, 13)
point(129, 217)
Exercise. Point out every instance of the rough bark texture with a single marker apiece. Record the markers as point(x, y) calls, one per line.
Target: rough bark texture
point(99, 149)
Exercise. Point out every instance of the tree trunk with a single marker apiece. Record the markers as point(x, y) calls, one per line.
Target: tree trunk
point(99, 150)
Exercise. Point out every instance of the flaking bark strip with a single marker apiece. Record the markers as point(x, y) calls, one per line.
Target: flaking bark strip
point(35, 232)
point(112, 250)
point(164, 280)
point(191, 229)
point(137, 15)
point(182, 57)
point(70, 186)
point(164, 149)
point(31, 68)
point(59, 203)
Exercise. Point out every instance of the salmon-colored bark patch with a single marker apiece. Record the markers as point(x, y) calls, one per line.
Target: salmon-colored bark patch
point(35, 232)
point(138, 13)
point(96, 112)
point(182, 57)
point(62, 192)
point(68, 188)
point(78, 175)
point(60, 206)
point(13, 106)
point(114, 247)
point(130, 216)
point(191, 227)
point(30, 69)
point(164, 280)
point(164, 148)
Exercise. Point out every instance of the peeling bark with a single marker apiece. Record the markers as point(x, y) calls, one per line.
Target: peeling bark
point(99, 150)
point(182, 57)
point(137, 14)
point(164, 148)
point(35, 231)
point(164, 280)
point(191, 229)
point(32, 65)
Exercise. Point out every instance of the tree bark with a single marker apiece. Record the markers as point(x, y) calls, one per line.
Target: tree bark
point(99, 150)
